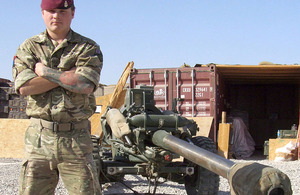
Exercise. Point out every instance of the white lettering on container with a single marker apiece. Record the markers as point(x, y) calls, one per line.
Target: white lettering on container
point(159, 92)
point(199, 95)
point(201, 89)
point(186, 90)
point(199, 108)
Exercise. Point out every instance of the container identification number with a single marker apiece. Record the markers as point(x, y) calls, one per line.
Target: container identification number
point(186, 90)
point(201, 89)
point(199, 95)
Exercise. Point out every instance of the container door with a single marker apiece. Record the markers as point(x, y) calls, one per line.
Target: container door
point(195, 92)
point(158, 78)
point(190, 91)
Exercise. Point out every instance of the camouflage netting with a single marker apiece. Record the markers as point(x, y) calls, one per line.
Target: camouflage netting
point(254, 178)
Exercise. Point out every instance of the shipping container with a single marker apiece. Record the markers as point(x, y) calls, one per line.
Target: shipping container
point(266, 97)
point(191, 92)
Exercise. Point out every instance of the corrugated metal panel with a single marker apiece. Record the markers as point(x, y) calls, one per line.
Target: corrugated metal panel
point(260, 73)
point(194, 89)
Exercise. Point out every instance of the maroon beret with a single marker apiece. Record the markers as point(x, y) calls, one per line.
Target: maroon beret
point(56, 4)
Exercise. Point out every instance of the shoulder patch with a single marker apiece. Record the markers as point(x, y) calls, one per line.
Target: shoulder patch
point(14, 60)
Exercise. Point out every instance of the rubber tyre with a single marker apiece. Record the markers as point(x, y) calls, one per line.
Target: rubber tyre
point(203, 181)
point(96, 152)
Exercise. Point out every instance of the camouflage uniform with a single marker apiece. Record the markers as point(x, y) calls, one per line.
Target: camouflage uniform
point(58, 141)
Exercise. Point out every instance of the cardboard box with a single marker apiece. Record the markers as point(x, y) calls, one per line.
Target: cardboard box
point(278, 143)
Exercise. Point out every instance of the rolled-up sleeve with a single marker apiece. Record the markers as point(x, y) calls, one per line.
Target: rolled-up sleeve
point(89, 63)
point(23, 66)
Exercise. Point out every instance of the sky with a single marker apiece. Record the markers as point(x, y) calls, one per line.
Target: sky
point(167, 33)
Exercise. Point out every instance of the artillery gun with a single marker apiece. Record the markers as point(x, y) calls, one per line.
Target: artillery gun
point(141, 139)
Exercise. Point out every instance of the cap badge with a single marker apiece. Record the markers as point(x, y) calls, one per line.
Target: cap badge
point(66, 4)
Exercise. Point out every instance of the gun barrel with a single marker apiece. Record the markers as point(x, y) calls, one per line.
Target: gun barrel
point(244, 178)
point(195, 154)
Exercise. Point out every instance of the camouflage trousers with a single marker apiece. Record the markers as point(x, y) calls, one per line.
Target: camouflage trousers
point(50, 154)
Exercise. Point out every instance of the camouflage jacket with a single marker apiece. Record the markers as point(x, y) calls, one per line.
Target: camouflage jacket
point(59, 104)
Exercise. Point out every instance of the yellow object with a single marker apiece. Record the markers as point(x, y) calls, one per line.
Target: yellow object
point(114, 101)
point(223, 139)
point(102, 101)
point(204, 124)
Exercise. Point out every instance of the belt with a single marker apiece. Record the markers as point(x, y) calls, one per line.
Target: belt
point(55, 126)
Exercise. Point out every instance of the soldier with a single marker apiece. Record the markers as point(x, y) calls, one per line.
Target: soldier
point(58, 70)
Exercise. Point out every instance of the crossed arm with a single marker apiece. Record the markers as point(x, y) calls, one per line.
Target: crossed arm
point(49, 78)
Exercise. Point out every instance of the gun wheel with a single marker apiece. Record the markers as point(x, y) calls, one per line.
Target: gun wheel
point(203, 181)
point(96, 152)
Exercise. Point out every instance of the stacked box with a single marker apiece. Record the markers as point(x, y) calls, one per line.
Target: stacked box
point(266, 148)
point(12, 105)
point(288, 134)
point(4, 98)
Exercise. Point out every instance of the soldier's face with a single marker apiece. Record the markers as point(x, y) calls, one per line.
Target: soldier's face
point(58, 20)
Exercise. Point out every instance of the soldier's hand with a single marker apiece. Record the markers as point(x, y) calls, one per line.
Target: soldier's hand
point(39, 69)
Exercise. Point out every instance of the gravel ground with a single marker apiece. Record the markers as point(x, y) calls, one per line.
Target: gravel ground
point(10, 169)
